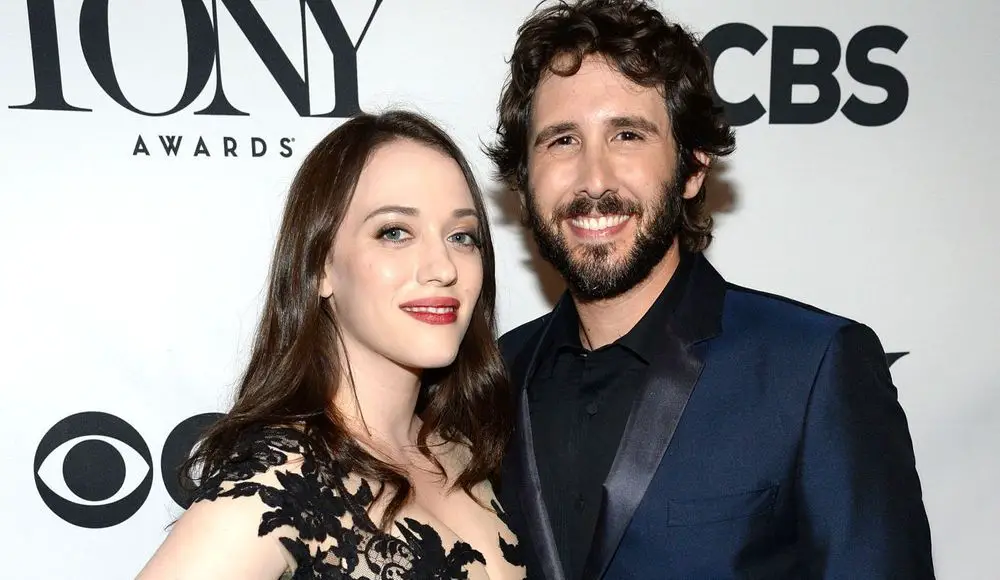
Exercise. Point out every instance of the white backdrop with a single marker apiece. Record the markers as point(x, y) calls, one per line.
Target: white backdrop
point(131, 282)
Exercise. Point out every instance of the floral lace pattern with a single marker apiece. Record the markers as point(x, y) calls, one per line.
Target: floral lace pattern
point(332, 535)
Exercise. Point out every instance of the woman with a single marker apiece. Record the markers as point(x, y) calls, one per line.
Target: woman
point(374, 405)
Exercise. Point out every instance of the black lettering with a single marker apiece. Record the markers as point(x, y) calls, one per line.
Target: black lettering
point(45, 59)
point(874, 74)
point(202, 31)
point(201, 148)
point(286, 148)
point(721, 39)
point(140, 147)
point(229, 146)
point(96, 44)
point(254, 141)
point(295, 87)
point(785, 74)
point(171, 143)
point(220, 105)
point(345, 55)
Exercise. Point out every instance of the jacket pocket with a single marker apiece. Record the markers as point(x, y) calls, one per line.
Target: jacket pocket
point(704, 510)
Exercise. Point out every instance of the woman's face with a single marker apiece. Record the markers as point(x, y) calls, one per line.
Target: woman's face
point(405, 270)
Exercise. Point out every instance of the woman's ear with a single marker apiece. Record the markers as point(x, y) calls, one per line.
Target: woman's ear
point(326, 281)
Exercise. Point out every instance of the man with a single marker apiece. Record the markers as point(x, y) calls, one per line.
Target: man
point(673, 425)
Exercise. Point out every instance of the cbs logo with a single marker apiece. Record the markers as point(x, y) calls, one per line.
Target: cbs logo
point(94, 470)
point(831, 55)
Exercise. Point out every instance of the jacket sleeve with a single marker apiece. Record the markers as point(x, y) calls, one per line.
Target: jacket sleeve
point(860, 503)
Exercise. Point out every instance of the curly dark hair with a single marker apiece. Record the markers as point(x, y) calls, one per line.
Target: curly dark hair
point(636, 39)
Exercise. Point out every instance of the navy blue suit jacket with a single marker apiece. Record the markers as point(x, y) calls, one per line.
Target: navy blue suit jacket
point(767, 442)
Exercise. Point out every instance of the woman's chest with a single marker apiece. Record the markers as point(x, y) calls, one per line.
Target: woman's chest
point(475, 521)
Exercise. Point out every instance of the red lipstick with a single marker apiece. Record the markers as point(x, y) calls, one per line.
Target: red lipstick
point(437, 310)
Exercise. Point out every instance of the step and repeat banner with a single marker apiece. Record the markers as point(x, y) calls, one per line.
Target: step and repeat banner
point(146, 148)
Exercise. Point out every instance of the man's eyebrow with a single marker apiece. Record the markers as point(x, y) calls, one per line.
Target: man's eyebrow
point(620, 122)
point(552, 130)
point(634, 122)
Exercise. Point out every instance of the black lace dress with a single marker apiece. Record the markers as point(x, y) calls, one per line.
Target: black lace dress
point(319, 514)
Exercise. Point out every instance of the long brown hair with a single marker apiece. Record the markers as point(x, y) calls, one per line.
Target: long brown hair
point(635, 38)
point(294, 367)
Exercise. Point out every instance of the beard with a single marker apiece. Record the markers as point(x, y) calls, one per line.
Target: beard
point(592, 272)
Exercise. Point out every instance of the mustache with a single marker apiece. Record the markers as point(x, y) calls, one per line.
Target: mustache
point(607, 204)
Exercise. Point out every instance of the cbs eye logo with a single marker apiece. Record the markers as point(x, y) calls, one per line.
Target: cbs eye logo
point(94, 470)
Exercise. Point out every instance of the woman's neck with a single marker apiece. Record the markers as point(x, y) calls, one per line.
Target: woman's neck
point(380, 407)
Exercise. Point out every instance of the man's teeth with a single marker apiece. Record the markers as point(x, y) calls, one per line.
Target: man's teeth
point(601, 223)
point(445, 310)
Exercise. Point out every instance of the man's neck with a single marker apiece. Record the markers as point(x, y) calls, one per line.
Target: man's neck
point(605, 321)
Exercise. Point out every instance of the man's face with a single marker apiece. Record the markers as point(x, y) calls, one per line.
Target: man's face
point(603, 201)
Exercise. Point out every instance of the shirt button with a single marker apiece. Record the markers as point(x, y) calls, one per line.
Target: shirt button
point(579, 503)
point(591, 408)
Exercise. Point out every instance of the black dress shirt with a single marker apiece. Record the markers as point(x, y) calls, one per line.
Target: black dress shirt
point(580, 401)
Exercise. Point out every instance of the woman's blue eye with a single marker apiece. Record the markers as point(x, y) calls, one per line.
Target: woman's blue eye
point(392, 234)
point(466, 239)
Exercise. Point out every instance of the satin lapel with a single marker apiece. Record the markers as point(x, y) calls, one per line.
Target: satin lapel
point(650, 427)
point(657, 412)
point(529, 487)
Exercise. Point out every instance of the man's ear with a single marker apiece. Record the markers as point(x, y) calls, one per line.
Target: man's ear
point(697, 179)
